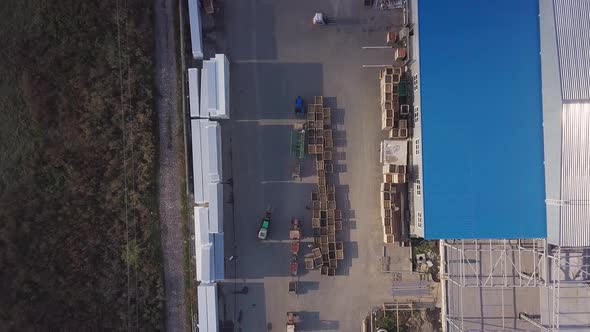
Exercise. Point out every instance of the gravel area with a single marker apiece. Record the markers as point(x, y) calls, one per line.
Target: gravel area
point(168, 174)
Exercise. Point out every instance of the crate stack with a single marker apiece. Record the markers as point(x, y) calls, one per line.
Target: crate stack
point(400, 130)
point(387, 194)
point(390, 212)
point(326, 218)
point(394, 174)
point(389, 79)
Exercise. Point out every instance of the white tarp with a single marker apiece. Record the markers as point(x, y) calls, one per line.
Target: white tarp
point(215, 208)
point(215, 88)
point(206, 267)
point(209, 92)
point(214, 142)
point(204, 101)
point(194, 14)
point(205, 155)
point(202, 307)
point(198, 186)
point(207, 307)
point(202, 234)
point(212, 308)
point(222, 64)
point(211, 151)
point(394, 152)
point(193, 92)
point(219, 256)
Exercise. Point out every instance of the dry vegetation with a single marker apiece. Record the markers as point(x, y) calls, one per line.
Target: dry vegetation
point(68, 258)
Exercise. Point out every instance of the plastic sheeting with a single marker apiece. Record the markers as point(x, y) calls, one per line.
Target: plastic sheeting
point(215, 208)
point(214, 141)
point(222, 111)
point(207, 265)
point(202, 234)
point(211, 151)
point(193, 92)
point(215, 88)
point(198, 186)
point(209, 96)
point(194, 14)
point(207, 307)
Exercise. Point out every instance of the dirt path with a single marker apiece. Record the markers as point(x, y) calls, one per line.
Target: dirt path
point(168, 175)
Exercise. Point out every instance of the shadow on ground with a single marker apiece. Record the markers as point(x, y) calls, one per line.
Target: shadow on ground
point(310, 321)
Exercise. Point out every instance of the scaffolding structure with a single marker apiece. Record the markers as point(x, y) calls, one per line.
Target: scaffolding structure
point(509, 265)
point(569, 269)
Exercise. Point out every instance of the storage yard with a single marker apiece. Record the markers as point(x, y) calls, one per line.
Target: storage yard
point(315, 187)
point(273, 63)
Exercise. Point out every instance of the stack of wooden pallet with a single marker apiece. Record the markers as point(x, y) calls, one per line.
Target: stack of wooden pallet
point(390, 212)
point(394, 174)
point(326, 219)
point(400, 129)
point(389, 79)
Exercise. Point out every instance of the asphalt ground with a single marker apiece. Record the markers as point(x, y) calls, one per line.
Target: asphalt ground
point(276, 54)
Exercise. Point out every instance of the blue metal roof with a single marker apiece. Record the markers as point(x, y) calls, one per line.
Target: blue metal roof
point(481, 117)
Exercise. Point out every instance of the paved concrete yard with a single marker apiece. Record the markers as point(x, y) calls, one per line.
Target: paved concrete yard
point(275, 55)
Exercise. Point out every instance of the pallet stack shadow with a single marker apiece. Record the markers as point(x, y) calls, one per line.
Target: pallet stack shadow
point(326, 219)
point(394, 120)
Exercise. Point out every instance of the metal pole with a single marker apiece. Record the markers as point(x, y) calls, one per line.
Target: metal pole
point(376, 47)
point(462, 282)
point(376, 66)
point(520, 265)
point(491, 263)
point(478, 258)
point(526, 318)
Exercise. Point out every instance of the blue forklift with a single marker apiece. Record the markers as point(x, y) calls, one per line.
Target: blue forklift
point(299, 109)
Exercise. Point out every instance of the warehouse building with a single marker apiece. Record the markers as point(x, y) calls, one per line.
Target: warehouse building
point(565, 55)
point(478, 136)
point(565, 49)
point(501, 158)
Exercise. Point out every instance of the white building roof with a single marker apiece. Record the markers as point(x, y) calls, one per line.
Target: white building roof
point(574, 229)
point(565, 26)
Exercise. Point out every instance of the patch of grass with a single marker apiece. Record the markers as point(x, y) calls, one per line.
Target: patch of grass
point(190, 298)
point(425, 247)
point(65, 230)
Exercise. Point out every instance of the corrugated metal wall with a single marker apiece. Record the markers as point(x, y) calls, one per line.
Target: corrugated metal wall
point(572, 21)
point(575, 177)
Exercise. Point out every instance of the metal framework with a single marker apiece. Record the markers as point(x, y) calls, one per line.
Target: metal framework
point(506, 265)
point(495, 263)
point(569, 269)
